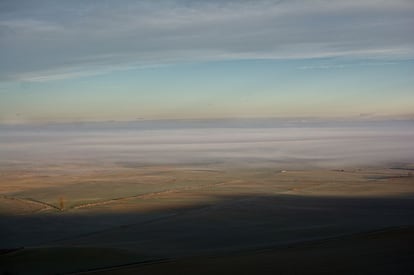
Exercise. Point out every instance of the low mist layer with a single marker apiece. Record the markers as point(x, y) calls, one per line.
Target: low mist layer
point(229, 142)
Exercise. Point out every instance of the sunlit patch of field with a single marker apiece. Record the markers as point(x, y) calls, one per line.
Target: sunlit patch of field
point(183, 211)
point(121, 186)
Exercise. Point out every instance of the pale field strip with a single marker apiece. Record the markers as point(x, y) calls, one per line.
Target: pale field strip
point(369, 175)
point(147, 195)
point(44, 205)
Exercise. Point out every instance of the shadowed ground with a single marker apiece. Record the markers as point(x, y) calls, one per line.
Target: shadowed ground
point(388, 251)
point(206, 220)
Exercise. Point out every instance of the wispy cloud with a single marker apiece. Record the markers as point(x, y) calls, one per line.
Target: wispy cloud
point(47, 40)
point(345, 65)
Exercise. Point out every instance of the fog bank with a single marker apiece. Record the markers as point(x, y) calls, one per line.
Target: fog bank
point(283, 143)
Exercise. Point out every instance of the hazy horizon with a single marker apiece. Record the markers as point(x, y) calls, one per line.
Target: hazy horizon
point(206, 137)
point(278, 143)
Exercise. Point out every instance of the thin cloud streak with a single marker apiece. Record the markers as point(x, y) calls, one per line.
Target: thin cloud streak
point(345, 65)
point(46, 40)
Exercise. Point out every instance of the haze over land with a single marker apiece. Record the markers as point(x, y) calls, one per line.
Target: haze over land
point(206, 137)
point(248, 142)
point(237, 195)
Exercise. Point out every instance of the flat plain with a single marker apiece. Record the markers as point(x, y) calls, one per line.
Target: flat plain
point(206, 219)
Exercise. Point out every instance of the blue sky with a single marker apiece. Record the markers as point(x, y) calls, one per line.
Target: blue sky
point(123, 60)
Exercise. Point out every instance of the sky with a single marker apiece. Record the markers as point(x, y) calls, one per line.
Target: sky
point(127, 60)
